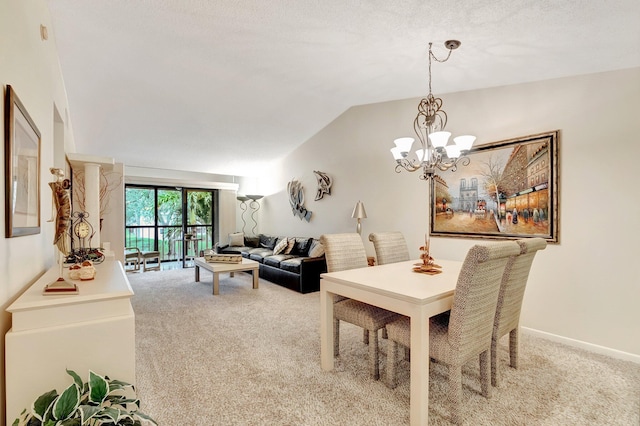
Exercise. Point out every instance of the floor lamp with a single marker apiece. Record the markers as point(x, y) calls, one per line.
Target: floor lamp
point(255, 205)
point(243, 206)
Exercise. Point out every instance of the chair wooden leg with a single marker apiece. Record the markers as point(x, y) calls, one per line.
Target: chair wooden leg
point(513, 347)
point(374, 367)
point(455, 392)
point(392, 354)
point(336, 337)
point(485, 373)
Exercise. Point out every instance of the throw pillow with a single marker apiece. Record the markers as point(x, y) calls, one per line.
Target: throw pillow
point(302, 246)
point(280, 246)
point(290, 245)
point(317, 249)
point(267, 241)
point(236, 239)
point(252, 242)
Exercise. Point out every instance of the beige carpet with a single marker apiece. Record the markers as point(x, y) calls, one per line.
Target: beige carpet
point(252, 357)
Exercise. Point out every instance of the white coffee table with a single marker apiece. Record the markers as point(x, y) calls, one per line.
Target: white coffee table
point(247, 265)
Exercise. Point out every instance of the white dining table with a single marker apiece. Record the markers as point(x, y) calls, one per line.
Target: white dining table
point(397, 288)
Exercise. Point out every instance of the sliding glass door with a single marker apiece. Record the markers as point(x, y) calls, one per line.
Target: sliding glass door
point(177, 222)
point(198, 222)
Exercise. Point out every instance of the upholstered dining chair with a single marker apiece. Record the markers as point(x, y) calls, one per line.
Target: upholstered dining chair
point(342, 252)
point(457, 336)
point(507, 316)
point(390, 247)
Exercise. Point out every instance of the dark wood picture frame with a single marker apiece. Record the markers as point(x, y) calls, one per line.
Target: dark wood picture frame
point(22, 143)
point(509, 190)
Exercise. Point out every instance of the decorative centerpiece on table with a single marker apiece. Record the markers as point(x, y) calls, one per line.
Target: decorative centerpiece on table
point(428, 265)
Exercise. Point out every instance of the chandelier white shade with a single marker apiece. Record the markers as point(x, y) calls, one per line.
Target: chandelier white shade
point(435, 151)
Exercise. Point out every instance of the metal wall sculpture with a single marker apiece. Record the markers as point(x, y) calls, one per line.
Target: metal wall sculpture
point(324, 184)
point(296, 200)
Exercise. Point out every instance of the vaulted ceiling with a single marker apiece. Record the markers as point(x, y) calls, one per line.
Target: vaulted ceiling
point(224, 86)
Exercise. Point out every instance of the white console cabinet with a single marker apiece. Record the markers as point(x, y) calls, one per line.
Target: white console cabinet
point(91, 330)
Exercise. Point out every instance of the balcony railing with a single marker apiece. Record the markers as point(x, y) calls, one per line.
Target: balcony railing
point(170, 241)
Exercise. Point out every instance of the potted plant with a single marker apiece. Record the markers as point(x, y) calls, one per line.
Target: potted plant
point(100, 401)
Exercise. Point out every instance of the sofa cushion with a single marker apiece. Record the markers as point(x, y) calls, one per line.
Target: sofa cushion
point(258, 254)
point(267, 241)
point(291, 265)
point(280, 246)
point(231, 250)
point(316, 249)
point(236, 239)
point(276, 259)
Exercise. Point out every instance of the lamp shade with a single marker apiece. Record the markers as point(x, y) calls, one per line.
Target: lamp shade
point(404, 144)
point(397, 153)
point(439, 139)
point(465, 142)
point(453, 151)
point(358, 211)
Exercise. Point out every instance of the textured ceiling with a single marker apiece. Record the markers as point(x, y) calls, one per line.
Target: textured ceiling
point(223, 86)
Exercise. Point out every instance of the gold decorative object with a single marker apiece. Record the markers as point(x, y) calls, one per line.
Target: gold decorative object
point(428, 265)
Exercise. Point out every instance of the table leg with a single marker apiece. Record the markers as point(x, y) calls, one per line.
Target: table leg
point(254, 272)
point(197, 269)
point(216, 283)
point(419, 399)
point(326, 329)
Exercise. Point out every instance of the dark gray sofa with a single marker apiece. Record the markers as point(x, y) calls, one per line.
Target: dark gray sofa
point(293, 268)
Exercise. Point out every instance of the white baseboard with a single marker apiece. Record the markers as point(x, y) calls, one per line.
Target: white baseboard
point(626, 356)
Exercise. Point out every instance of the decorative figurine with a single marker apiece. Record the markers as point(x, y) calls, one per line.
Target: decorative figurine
point(428, 265)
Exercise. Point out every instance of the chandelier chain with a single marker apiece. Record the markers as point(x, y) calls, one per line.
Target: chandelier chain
point(434, 57)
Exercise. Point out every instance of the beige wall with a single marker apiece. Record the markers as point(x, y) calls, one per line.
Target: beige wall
point(30, 65)
point(583, 289)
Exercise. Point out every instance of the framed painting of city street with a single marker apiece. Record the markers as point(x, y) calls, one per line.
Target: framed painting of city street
point(509, 190)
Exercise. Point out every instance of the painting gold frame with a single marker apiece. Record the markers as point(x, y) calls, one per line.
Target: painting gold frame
point(22, 169)
point(509, 190)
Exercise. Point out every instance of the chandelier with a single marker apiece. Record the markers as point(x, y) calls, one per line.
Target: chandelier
point(434, 152)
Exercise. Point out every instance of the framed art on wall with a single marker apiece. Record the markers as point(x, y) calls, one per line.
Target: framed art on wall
point(509, 190)
point(22, 169)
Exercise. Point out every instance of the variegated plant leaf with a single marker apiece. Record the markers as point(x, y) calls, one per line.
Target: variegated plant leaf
point(40, 405)
point(98, 388)
point(67, 402)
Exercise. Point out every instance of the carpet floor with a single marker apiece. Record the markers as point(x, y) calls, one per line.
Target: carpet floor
point(252, 357)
